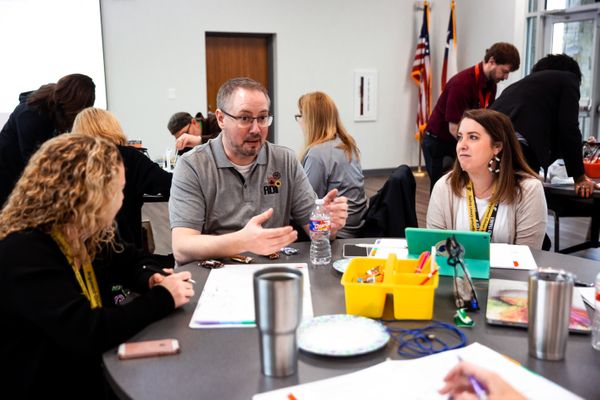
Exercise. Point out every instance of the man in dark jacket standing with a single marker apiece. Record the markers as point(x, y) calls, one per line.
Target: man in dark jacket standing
point(544, 109)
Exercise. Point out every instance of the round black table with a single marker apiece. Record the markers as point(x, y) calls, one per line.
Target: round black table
point(225, 364)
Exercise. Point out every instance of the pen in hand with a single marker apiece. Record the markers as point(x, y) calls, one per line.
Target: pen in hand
point(480, 392)
point(152, 268)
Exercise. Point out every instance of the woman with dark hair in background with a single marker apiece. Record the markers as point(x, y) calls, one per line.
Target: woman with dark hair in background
point(43, 114)
point(331, 157)
point(491, 188)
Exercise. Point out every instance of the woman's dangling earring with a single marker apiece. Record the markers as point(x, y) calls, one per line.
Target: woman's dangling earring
point(491, 167)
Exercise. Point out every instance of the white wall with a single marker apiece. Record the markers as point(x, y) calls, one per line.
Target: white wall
point(42, 41)
point(487, 22)
point(153, 45)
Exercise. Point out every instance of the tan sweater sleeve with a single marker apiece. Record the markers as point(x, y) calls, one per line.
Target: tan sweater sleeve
point(531, 214)
point(440, 213)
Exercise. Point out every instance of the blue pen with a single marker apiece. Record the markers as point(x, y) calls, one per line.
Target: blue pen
point(480, 392)
point(225, 322)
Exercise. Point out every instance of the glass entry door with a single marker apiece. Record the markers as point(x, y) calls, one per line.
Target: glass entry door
point(577, 35)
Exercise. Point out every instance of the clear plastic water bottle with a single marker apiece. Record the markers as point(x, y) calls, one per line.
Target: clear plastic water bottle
point(320, 228)
point(596, 319)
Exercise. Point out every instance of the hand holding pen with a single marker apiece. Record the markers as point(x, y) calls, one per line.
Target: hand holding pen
point(469, 381)
point(178, 284)
point(163, 272)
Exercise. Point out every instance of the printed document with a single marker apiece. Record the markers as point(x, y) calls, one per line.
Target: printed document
point(420, 379)
point(227, 300)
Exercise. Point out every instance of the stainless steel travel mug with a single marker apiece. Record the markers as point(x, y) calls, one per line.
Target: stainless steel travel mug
point(550, 298)
point(278, 310)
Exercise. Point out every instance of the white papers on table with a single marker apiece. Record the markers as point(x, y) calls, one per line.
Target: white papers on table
point(384, 247)
point(227, 300)
point(511, 256)
point(588, 294)
point(420, 379)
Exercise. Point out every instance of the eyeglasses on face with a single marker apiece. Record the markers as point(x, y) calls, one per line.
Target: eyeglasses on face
point(246, 121)
point(297, 117)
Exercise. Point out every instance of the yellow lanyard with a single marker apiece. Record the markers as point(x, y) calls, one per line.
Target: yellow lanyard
point(90, 287)
point(491, 208)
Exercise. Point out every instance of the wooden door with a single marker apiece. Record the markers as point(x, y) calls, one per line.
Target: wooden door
point(232, 55)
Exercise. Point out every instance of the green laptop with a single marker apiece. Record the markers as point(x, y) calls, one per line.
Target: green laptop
point(476, 245)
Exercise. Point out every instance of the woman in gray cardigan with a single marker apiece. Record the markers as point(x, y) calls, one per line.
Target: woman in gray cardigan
point(491, 188)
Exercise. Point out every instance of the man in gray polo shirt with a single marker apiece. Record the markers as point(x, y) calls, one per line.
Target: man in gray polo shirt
point(238, 192)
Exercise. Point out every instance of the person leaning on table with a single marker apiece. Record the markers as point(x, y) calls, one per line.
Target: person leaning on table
point(191, 131)
point(544, 109)
point(57, 261)
point(238, 192)
point(490, 171)
point(40, 115)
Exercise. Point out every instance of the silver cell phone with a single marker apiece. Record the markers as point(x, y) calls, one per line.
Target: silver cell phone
point(352, 250)
point(148, 348)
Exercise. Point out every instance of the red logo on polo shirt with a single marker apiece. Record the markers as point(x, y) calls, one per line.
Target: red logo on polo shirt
point(273, 184)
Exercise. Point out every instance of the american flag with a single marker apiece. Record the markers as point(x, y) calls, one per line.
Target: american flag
point(449, 65)
point(421, 73)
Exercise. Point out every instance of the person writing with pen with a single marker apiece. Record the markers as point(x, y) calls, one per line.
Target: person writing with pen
point(58, 262)
point(469, 381)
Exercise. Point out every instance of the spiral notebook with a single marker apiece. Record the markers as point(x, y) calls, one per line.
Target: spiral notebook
point(507, 305)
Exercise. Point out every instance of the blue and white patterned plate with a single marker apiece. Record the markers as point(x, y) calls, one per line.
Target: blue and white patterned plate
point(341, 335)
point(341, 264)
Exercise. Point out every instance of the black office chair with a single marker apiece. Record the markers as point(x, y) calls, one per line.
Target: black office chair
point(561, 206)
point(392, 208)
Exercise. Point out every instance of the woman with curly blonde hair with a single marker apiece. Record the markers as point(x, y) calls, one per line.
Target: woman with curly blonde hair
point(331, 158)
point(58, 261)
point(142, 175)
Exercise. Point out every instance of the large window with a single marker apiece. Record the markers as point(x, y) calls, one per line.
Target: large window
point(562, 4)
point(571, 27)
point(43, 40)
point(576, 38)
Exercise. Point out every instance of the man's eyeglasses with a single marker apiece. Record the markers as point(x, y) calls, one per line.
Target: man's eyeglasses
point(464, 290)
point(246, 121)
point(297, 117)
